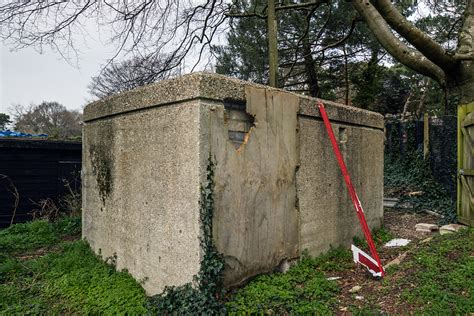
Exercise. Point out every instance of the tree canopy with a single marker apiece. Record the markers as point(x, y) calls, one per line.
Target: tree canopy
point(129, 74)
point(178, 28)
point(49, 118)
point(4, 121)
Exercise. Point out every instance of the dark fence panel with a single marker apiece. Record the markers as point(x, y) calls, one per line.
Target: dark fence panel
point(403, 136)
point(443, 151)
point(38, 169)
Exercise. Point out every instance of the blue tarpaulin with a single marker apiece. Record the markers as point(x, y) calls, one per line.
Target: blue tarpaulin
point(9, 133)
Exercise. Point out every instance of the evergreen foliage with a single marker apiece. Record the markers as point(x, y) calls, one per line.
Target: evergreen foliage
point(4, 121)
point(358, 68)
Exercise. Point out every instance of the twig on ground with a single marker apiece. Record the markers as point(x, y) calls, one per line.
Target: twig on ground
point(12, 189)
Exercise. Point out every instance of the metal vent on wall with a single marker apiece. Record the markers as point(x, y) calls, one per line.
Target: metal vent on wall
point(239, 122)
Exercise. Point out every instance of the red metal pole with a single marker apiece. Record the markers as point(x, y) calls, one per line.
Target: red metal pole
point(350, 188)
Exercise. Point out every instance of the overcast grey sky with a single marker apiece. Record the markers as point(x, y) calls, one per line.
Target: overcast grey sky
point(27, 76)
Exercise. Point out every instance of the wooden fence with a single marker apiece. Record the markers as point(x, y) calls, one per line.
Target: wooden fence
point(465, 205)
point(33, 170)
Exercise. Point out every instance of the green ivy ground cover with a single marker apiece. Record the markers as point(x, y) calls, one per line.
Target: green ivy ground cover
point(304, 289)
point(42, 274)
point(441, 275)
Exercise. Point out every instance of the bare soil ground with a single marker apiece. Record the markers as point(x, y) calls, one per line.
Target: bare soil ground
point(401, 225)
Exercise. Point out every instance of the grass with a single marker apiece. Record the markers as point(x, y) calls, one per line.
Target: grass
point(440, 278)
point(30, 236)
point(42, 274)
point(303, 289)
point(379, 236)
point(45, 269)
point(436, 278)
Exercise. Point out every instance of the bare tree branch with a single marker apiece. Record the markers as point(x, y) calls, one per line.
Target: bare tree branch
point(305, 5)
point(342, 40)
point(246, 15)
point(460, 57)
point(301, 5)
point(10, 186)
point(400, 51)
point(419, 39)
point(129, 74)
point(170, 28)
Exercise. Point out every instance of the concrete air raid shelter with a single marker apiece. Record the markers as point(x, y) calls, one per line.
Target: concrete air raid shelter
point(278, 189)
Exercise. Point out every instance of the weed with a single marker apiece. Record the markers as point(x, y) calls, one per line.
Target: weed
point(380, 236)
point(441, 278)
point(45, 209)
point(71, 202)
point(9, 268)
point(303, 289)
point(71, 280)
point(67, 226)
point(37, 234)
point(28, 236)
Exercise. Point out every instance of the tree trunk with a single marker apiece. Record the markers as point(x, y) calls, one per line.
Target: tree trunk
point(421, 104)
point(405, 106)
point(346, 77)
point(461, 79)
point(272, 44)
point(310, 68)
point(454, 73)
point(460, 86)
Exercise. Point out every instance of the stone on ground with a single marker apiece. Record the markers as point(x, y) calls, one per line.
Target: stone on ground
point(397, 260)
point(426, 228)
point(398, 242)
point(450, 228)
point(355, 289)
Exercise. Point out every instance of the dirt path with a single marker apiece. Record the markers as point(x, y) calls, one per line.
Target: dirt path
point(401, 225)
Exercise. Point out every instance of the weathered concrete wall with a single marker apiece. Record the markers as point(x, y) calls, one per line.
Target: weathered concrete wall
point(278, 187)
point(256, 220)
point(327, 216)
point(141, 182)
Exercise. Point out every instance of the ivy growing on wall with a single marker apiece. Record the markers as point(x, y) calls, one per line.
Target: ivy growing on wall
point(202, 295)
